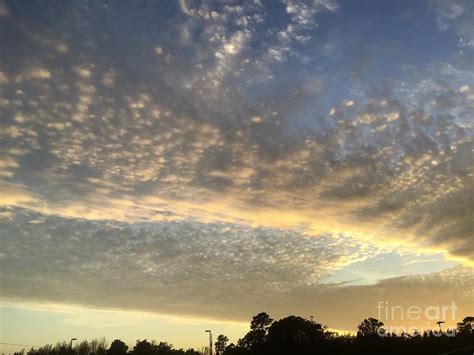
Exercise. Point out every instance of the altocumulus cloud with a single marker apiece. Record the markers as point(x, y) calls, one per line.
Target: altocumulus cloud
point(163, 266)
point(157, 144)
point(216, 270)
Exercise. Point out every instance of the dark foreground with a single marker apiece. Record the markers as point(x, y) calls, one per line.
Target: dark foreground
point(293, 336)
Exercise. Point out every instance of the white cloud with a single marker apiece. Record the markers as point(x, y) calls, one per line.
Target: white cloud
point(82, 72)
point(40, 73)
point(392, 116)
point(456, 16)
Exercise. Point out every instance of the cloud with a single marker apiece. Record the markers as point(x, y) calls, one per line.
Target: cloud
point(40, 73)
point(456, 16)
point(180, 261)
point(234, 146)
point(176, 267)
point(420, 261)
point(247, 117)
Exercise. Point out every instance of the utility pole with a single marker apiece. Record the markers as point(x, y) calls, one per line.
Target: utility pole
point(210, 341)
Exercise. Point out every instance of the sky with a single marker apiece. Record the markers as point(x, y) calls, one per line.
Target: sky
point(170, 166)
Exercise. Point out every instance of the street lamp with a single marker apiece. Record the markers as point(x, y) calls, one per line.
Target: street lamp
point(70, 344)
point(210, 341)
point(439, 324)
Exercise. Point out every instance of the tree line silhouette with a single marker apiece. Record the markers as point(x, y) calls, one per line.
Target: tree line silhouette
point(294, 335)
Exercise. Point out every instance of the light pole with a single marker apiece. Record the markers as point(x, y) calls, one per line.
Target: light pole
point(210, 341)
point(70, 344)
point(439, 324)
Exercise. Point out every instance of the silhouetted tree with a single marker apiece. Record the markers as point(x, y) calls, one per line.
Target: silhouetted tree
point(63, 349)
point(99, 346)
point(221, 344)
point(233, 349)
point(163, 348)
point(117, 347)
point(466, 326)
point(370, 327)
point(261, 321)
point(143, 347)
point(43, 350)
point(295, 334)
point(255, 338)
point(84, 348)
point(192, 352)
point(204, 350)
